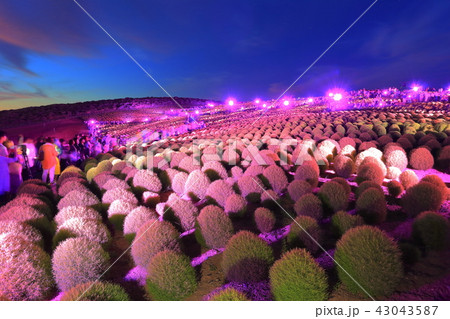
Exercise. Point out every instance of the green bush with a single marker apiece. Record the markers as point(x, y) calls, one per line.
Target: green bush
point(422, 197)
point(151, 238)
point(369, 259)
point(170, 276)
point(264, 219)
point(333, 196)
point(96, 291)
point(214, 227)
point(297, 277)
point(366, 185)
point(431, 230)
point(300, 233)
point(247, 258)
point(436, 180)
point(343, 221)
point(228, 294)
point(309, 205)
point(371, 205)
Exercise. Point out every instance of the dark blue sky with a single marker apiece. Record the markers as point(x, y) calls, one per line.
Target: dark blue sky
point(51, 52)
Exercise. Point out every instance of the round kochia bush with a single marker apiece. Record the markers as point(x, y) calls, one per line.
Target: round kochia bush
point(395, 188)
point(77, 261)
point(228, 294)
point(276, 178)
point(431, 230)
point(180, 212)
point(309, 205)
point(297, 276)
point(135, 219)
point(96, 291)
point(370, 171)
point(148, 180)
point(22, 230)
point(304, 233)
point(297, 188)
point(196, 185)
point(334, 196)
point(343, 221)
point(119, 193)
point(422, 197)
point(219, 191)
point(371, 205)
point(25, 272)
point(247, 258)
point(214, 227)
point(264, 219)
point(371, 258)
point(178, 182)
point(151, 238)
point(408, 179)
point(436, 180)
point(343, 166)
point(421, 158)
point(77, 197)
point(92, 229)
point(76, 212)
point(309, 173)
point(235, 205)
point(170, 276)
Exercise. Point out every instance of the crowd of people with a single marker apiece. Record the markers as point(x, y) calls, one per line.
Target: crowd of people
point(44, 158)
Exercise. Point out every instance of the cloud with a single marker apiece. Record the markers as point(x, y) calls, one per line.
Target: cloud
point(7, 92)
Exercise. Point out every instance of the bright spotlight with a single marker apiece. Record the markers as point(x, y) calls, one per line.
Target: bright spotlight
point(264, 105)
point(286, 103)
point(230, 102)
point(197, 112)
point(257, 101)
point(330, 94)
point(416, 88)
point(337, 97)
point(310, 100)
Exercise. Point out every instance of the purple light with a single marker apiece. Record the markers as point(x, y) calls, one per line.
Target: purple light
point(197, 112)
point(92, 121)
point(211, 104)
point(257, 101)
point(330, 94)
point(310, 100)
point(286, 103)
point(146, 120)
point(415, 88)
point(230, 102)
point(337, 97)
point(385, 92)
point(264, 105)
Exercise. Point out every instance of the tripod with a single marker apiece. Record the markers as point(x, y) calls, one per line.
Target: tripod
point(26, 162)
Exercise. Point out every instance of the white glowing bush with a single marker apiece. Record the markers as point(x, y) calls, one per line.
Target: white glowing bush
point(25, 272)
point(189, 164)
point(147, 180)
point(115, 183)
point(120, 207)
point(77, 197)
point(78, 260)
point(119, 193)
point(76, 212)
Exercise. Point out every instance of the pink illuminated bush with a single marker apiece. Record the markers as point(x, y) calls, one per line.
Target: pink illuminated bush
point(179, 180)
point(25, 272)
point(119, 194)
point(26, 232)
point(343, 166)
point(136, 218)
point(219, 191)
point(247, 258)
point(78, 260)
point(180, 212)
point(92, 229)
point(396, 157)
point(196, 185)
point(421, 158)
point(118, 210)
point(298, 188)
point(77, 197)
point(30, 216)
point(235, 205)
point(214, 170)
point(408, 178)
point(76, 212)
point(276, 178)
point(69, 186)
point(370, 172)
point(251, 188)
point(308, 173)
point(115, 183)
point(151, 238)
point(148, 180)
point(214, 227)
point(264, 219)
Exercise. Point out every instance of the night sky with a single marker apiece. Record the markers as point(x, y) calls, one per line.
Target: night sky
point(51, 52)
